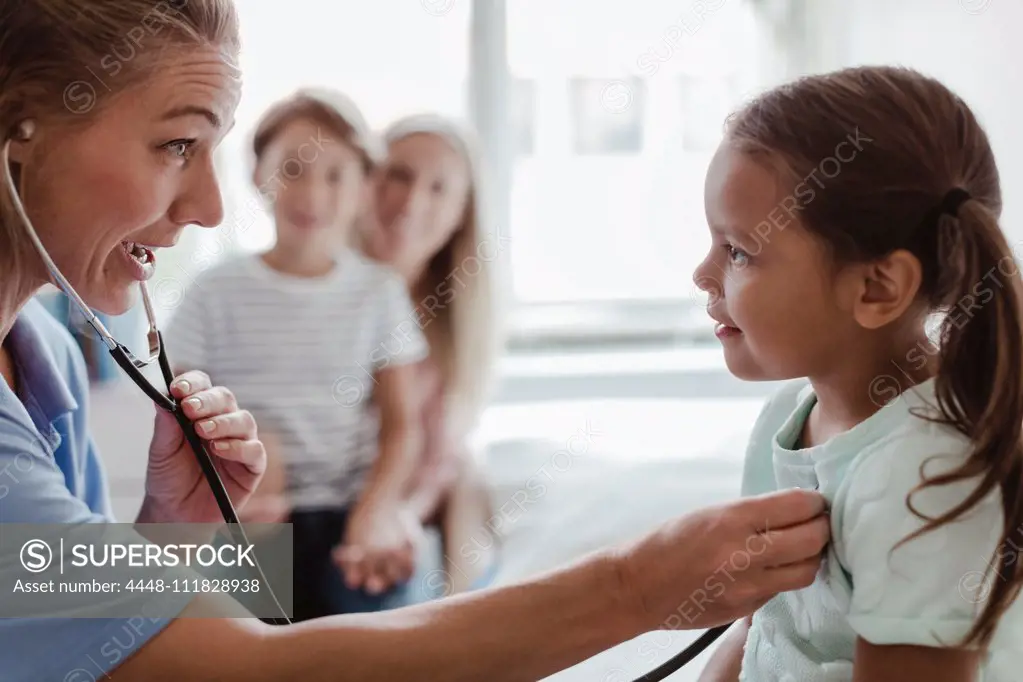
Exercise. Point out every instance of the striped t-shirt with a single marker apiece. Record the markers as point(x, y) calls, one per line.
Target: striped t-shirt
point(301, 354)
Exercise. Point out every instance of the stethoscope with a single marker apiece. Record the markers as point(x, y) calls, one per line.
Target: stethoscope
point(132, 366)
point(158, 353)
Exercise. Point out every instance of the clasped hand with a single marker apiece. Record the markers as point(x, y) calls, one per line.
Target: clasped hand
point(379, 546)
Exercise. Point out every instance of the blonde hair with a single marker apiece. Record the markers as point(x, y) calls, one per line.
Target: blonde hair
point(54, 52)
point(464, 336)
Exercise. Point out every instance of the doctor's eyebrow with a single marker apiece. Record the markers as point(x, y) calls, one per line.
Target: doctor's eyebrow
point(193, 110)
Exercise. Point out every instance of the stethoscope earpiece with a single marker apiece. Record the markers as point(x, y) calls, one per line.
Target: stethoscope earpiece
point(22, 132)
point(26, 129)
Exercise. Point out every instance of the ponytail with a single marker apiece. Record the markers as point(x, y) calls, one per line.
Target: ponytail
point(979, 385)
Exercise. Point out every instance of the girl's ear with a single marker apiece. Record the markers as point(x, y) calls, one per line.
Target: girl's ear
point(887, 288)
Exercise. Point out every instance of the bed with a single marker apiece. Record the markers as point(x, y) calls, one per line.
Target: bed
point(591, 501)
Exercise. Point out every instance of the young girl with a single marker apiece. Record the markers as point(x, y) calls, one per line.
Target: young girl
point(318, 342)
point(851, 213)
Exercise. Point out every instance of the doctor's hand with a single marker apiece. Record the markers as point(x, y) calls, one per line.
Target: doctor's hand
point(176, 490)
point(721, 563)
point(379, 546)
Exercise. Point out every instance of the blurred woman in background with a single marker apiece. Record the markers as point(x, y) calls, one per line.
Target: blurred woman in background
point(424, 221)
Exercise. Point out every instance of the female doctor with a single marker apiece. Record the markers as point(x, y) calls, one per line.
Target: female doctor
point(112, 110)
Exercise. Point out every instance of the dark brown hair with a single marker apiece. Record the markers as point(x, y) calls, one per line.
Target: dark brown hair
point(921, 141)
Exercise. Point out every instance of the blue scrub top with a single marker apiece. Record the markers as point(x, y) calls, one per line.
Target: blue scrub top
point(50, 472)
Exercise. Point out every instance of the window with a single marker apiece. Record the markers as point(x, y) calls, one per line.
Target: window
point(706, 103)
point(523, 105)
point(606, 216)
point(609, 114)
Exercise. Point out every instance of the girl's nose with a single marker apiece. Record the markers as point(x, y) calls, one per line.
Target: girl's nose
point(706, 283)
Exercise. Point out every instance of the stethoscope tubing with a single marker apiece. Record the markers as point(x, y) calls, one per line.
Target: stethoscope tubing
point(122, 357)
point(676, 662)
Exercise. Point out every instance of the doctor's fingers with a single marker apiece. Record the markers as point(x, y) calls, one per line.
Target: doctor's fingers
point(780, 509)
point(187, 383)
point(238, 424)
point(248, 452)
point(787, 578)
point(209, 402)
point(791, 545)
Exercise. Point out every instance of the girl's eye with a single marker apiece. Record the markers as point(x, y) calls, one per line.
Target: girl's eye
point(180, 148)
point(737, 256)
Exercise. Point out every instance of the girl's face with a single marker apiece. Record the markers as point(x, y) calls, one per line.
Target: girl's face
point(421, 195)
point(315, 183)
point(138, 174)
point(772, 288)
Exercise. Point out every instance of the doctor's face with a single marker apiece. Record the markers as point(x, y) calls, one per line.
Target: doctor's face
point(105, 194)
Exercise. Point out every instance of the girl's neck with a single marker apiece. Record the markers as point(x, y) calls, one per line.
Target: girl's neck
point(854, 392)
point(300, 262)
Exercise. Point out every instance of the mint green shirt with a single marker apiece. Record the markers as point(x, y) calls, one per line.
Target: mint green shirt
point(926, 592)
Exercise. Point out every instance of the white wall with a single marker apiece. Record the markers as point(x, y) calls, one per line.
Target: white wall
point(974, 46)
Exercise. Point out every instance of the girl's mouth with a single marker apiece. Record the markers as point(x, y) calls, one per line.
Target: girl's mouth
point(723, 331)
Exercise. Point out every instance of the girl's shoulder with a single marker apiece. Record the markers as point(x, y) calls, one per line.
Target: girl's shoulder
point(912, 438)
point(897, 466)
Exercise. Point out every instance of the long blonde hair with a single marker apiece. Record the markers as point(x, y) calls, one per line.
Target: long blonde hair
point(64, 60)
point(464, 336)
